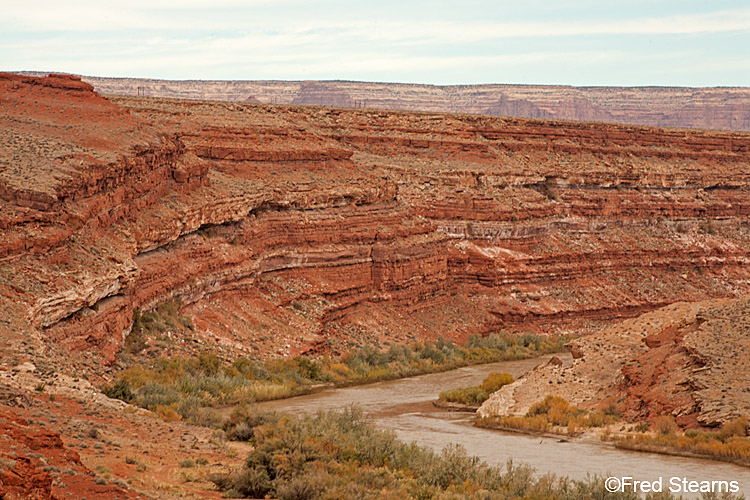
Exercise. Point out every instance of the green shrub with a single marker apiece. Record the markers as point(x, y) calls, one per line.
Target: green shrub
point(190, 386)
point(119, 390)
point(148, 324)
point(465, 395)
point(432, 353)
point(136, 339)
point(476, 395)
point(340, 455)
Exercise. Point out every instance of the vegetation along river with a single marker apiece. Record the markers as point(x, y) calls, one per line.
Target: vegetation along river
point(405, 407)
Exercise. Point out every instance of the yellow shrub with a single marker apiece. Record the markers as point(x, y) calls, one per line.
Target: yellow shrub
point(495, 381)
point(167, 413)
point(666, 425)
point(340, 369)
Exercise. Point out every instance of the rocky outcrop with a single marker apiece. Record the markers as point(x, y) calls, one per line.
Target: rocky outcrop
point(716, 107)
point(285, 229)
point(673, 361)
point(319, 94)
point(32, 461)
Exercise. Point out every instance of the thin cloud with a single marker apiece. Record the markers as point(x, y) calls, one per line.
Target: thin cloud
point(241, 16)
point(290, 39)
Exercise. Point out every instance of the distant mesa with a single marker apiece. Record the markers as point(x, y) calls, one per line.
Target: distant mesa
point(318, 94)
point(517, 107)
point(725, 108)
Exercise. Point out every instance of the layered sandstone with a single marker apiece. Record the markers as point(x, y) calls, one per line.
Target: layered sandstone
point(686, 360)
point(714, 107)
point(285, 229)
point(32, 461)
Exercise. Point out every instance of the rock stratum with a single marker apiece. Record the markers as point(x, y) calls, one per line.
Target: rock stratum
point(685, 360)
point(707, 108)
point(284, 229)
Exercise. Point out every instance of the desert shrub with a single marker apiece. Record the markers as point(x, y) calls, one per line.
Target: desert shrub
point(341, 455)
point(476, 395)
point(367, 356)
point(167, 413)
point(136, 339)
point(249, 369)
point(665, 425)
point(151, 323)
point(552, 413)
point(736, 427)
point(119, 390)
point(707, 226)
point(297, 488)
point(432, 353)
point(188, 386)
point(729, 443)
point(611, 409)
point(154, 394)
point(399, 354)
point(465, 395)
point(642, 427)
point(252, 482)
point(495, 381)
point(309, 369)
point(550, 405)
point(207, 364)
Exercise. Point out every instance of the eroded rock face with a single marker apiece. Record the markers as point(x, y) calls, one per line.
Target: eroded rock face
point(687, 360)
point(715, 108)
point(32, 461)
point(285, 230)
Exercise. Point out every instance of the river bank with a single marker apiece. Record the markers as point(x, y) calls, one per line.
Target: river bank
point(406, 407)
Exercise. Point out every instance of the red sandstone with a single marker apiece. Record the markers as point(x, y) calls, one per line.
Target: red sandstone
point(285, 230)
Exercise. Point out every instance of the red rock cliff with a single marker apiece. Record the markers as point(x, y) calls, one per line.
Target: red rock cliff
point(284, 229)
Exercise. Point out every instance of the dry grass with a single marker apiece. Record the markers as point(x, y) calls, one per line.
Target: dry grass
point(729, 444)
point(478, 394)
point(552, 414)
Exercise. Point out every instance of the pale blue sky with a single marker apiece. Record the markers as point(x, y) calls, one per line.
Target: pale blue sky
point(578, 42)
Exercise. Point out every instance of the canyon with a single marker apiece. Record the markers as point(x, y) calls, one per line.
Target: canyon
point(283, 230)
point(707, 107)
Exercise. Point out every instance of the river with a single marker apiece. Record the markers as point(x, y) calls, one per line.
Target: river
point(405, 407)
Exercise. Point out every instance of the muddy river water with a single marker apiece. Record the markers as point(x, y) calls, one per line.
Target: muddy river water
point(405, 407)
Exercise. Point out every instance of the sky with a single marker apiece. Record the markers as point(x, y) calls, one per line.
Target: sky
point(574, 42)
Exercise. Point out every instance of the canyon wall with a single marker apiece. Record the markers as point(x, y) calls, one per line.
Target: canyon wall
point(708, 108)
point(284, 229)
point(677, 360)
